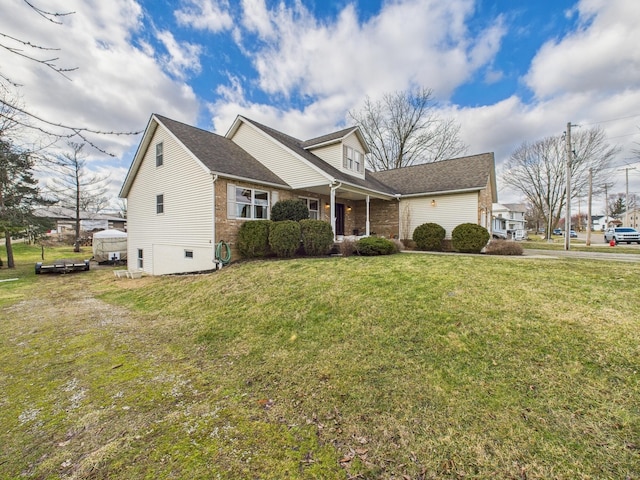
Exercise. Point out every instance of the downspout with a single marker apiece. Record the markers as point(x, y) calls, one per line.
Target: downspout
point(367, 225)
point(334, 186)
point(214, 178)
point(397, 195)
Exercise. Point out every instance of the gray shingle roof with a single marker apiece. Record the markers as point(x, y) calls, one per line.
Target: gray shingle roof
point(328, 137)
point(219, 154)
point(297, 146)
point(464, 173)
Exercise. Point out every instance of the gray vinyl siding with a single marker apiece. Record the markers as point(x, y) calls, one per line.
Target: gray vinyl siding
point(187, 219)
point(449, 212)
point(287, 166)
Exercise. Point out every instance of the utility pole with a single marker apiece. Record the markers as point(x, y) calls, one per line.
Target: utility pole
point(626, 196)
point(606, 206)
point(589, 220)
point(567, 222)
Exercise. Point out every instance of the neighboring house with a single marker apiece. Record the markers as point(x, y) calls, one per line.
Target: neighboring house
point(598, 223)
point(65, 220)
point(632, 217)
point(187, 189)
point(509, 220)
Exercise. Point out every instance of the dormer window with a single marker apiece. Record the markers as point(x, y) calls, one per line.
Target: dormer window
point(353, 159)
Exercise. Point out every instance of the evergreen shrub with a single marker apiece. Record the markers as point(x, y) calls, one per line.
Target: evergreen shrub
point(284, 238)
point(370, 246)
point(429, 236)
point(292, 209)
point(469, 238)
point(317, 236)
point(253, 239)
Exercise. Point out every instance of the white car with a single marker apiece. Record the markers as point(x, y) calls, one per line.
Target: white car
point(622, 234)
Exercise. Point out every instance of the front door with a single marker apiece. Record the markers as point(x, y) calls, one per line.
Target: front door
point(339, 218)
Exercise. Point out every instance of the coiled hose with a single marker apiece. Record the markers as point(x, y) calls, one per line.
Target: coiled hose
point(223, 257)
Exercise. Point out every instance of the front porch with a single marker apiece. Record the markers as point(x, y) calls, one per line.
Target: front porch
point(354, 214)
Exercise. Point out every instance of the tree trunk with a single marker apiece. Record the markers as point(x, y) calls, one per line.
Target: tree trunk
point(7, 242)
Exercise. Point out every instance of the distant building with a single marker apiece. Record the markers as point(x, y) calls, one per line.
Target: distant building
point(65, 220)
point(508, 220)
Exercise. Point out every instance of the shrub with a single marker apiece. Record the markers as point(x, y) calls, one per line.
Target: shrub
point(375, 246)
point(284, 238)
point(429, 236)
point(503, 247)
point(469, 238)
point(293, 209)
point(253, 238)
point(317, 236)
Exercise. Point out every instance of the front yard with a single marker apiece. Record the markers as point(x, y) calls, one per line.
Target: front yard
point(408, 366)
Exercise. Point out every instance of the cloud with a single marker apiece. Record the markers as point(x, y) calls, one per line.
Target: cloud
point(602, 54)
point(208, 15)
point(119, 80)
point(256, 18)
point(409, 42)
point(183, 57)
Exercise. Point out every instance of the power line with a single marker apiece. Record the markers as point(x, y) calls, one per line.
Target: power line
point(610, 120)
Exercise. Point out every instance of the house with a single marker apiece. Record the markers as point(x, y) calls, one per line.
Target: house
point(187, 189)
point(509, 220)
point(632, 218)
point(64, 220)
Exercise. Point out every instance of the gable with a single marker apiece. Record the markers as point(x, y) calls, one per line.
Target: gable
point(213, 153)
point(276, 157)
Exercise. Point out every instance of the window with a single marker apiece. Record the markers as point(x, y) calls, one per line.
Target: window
point(140, 255)
point(159, 203)
point(159, 155)
point(252, 203)
point(188, 254)
point(353, 159)
point(313, 204)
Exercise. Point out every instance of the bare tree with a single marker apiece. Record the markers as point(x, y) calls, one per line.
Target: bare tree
point(405, 128)
point(74, 186)
point(45, 56)
point(538, 170)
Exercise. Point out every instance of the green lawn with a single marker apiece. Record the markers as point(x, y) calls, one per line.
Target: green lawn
point(407, 366)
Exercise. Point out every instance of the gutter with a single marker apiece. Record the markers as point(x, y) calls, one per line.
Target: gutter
point(442, 192)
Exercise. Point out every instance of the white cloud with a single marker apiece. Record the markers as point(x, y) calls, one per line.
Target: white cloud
point(409, 42)
point(256, 18)
point(183, 57)
point(601, 55)
point(208, 15)
point(117, 85)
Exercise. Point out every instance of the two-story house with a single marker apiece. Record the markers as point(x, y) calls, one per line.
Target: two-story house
point(188, 189)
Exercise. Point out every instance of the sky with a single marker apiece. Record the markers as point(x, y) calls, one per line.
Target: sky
point(508, 71)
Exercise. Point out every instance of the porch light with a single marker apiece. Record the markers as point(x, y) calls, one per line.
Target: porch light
point(348, 208)
point(433, 202)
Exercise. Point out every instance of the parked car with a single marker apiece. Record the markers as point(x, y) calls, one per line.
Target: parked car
point(573, 234)
point(622, 234)
point(557, 231)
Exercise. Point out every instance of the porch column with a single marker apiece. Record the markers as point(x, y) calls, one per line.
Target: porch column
point(367, 223)
point(332, 210)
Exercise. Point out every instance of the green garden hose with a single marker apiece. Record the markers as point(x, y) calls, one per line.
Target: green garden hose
point(220, 246)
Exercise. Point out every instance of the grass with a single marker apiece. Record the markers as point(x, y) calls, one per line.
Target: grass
point(408, 366)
